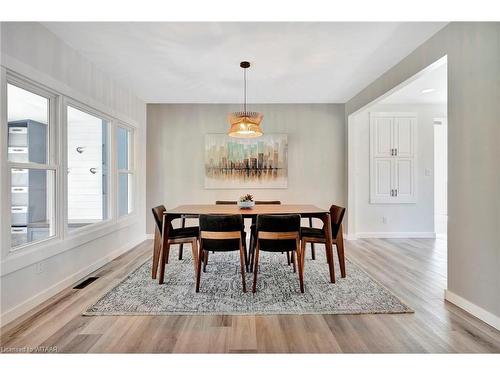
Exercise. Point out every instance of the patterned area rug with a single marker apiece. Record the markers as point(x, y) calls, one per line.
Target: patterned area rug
point(221, 291)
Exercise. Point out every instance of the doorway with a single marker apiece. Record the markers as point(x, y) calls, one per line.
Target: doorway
point(424, 97)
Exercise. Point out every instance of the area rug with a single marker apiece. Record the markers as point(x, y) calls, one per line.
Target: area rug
point(221, 291)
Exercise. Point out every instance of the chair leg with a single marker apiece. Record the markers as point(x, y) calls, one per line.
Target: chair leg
point(242, 268)
point(181, 246)
point(288, 257)
point(198, 270)
point(164, 255)
point(313, 252)
point(251, 250)
point(340, 251)
point(256, 267)
point(194, 251)
point(294, 262)
point(156, 253)
point(167, 255)
point(301, 257)
point(245, 249)
point(205, 261)
point(327, 230)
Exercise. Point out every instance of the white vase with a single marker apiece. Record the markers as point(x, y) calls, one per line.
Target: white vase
point(246, 204)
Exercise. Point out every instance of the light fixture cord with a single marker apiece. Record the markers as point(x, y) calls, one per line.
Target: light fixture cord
point(245, 90)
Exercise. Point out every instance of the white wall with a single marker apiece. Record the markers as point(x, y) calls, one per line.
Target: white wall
point(402, 220)
point(473, 55)
point(441, 177)
point(32, 51)
point(176, 133)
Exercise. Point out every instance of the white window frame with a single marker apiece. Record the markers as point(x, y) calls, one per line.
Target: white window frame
point(130, 171)
point(36, 251)
point(111, 166)
point(52, 164)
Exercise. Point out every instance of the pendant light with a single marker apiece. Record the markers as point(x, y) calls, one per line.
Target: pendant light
point(245, 124)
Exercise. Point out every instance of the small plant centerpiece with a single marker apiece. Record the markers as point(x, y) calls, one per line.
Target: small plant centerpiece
point(246, 201)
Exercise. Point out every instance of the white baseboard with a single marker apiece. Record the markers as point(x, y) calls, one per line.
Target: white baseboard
point(350, 236)
point(393, 235)
point(44, 295)
point(150, 236)
point(473, 309)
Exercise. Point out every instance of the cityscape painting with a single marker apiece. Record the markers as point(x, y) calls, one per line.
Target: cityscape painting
point(236, 163)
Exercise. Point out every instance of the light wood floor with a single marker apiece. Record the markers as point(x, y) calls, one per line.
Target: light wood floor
point(414, 269)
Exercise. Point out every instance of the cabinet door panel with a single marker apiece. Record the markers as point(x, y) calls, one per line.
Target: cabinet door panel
point(381, 184)
point(404, 130)
point(382, 136)
point(404, 180)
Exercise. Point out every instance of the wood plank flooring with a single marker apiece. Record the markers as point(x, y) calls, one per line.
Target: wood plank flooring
point(413, 269)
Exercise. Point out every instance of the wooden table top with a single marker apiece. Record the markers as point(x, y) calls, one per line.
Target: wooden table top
point(229, 209)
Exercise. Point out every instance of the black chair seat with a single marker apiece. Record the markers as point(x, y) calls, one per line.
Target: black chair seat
point(312, 232)
point(184, 232)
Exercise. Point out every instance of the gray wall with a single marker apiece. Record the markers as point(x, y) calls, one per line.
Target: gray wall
point(175, 138)
point(473, 51)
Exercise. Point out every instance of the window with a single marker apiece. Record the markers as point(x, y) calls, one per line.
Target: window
point(32, 168)
point(124, 137)
point(88, 165)
point(67, 166)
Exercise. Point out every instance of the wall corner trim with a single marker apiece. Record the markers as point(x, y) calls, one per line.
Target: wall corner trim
point(473, 309)
point(44, 295)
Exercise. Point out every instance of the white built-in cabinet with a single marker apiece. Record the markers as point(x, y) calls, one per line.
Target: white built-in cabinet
point(393, 156)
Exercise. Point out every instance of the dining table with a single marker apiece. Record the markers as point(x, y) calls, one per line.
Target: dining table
point(304, 210)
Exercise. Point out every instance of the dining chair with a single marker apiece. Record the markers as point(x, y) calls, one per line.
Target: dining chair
point(221, 233)
point(179, 236)
point(317, 235)
point(278, 233)
point(230, 203)
point(252, 237)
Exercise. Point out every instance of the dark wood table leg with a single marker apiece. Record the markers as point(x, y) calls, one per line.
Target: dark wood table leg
point(327, 225)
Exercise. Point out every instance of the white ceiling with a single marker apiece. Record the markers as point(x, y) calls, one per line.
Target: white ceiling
point(435, 79)
point(199, 62)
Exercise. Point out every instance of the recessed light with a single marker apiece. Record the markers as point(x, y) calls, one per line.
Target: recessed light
point(426, 91)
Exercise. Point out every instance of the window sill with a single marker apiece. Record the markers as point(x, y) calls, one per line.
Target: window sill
point(38, 252)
